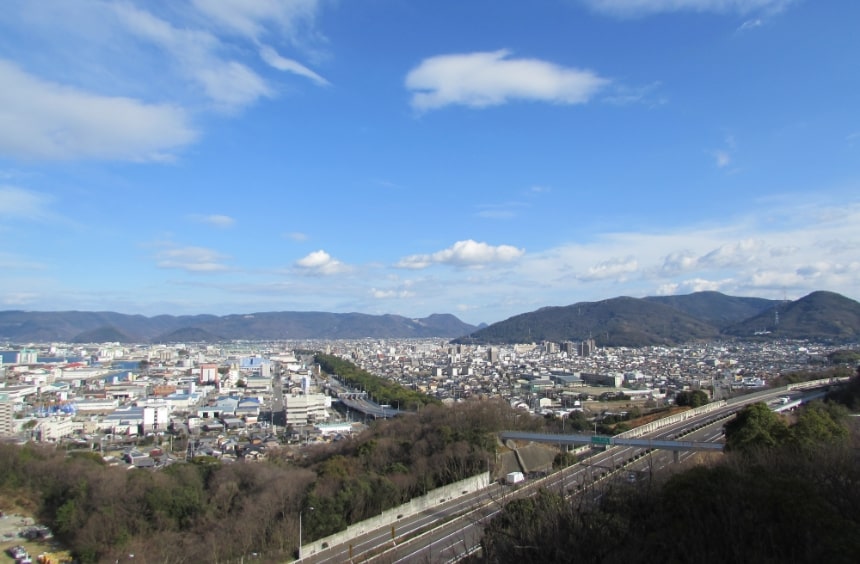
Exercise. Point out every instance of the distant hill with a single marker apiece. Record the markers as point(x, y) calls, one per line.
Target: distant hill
point(673, 320)
point(620, 321)
point(102, 335)
point(820, 315)
point(716, 308)
point(188, 335)
point(24, 326)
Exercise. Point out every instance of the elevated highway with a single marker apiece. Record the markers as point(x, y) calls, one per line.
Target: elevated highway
point(452, 531)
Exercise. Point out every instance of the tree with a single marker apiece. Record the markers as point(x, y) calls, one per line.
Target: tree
point(819, 423)
point(695, 398)
point(755, 427)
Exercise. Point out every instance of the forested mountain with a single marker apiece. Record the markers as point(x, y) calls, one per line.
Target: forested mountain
point(636, 322)
point(819, 315)
point(621, 321)
point(716, 308)
point(79, 326)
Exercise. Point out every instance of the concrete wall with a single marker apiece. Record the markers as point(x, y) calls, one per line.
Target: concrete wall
point(683, 416)
point(391, 516)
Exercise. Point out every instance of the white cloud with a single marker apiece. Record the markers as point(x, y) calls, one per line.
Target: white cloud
point(732, 254)
point(17, 299)
point(275, 60)
point(296, 236)
point(722, 158)
point(506, 210)
point(25, 204)
point(44, 120)
point(483, 79)
point(391, 294)
point(617, 268)
point(467, 253)
point(9, 262)
point(215, 220)
point(693, 285)
point(678, 261)
point(230, 84)
point(255, 19)
point(191, 259)
point(321, 263)
point(751, 24)
point(633, 8)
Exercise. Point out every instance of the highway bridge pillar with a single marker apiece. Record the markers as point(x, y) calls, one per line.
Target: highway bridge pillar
point(676, 456)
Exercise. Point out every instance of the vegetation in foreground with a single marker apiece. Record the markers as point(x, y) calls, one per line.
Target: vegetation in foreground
point(786, 491)
point(214, 512)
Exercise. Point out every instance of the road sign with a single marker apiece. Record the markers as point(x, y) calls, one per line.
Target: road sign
point(597, 440)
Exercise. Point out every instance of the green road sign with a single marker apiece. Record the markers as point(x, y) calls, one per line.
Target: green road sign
point(596, 440)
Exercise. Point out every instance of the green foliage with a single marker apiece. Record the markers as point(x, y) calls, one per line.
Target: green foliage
point(773, 508)
point(383, 391)
point(805, 376)
point(849, 394)
point(818, 423)
point(695, 398)
point(754, 427)
point(844, 356)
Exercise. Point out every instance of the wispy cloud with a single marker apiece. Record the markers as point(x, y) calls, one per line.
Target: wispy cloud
point(321, 263)
point(483, 79)
point(275, 60)
point(623, 95)
point(229, 83)
point(89, 103)
point(467, 253)
point(296, 236)
point(18, 203)
point(45, 120)
point(634, 8)
point(256, 20)
point(751, 24)
point(391, 294)
point(10, 261)
point(191, 259)
point(615, 268)
point(724, 156)
point(505, 210)
point(215, 220)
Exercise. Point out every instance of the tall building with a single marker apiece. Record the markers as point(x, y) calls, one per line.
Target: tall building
point(493, 355)
point(28, 356)
point(7, 427)
point(587, 347)
point(208, 373)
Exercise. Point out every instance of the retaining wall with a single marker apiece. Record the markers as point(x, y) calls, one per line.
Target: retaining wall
point(391, 516)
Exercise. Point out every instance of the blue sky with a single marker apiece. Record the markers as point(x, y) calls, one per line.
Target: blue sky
point(477, 157)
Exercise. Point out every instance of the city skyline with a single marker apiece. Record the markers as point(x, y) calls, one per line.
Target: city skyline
point(483, 159)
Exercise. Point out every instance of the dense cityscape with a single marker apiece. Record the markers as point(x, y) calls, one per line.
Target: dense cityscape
point(85, 394)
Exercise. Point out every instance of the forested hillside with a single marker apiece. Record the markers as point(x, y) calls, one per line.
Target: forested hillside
point(206, 511)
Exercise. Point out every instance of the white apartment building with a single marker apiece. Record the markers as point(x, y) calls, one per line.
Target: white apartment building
point(304, 409)
point(55, 428)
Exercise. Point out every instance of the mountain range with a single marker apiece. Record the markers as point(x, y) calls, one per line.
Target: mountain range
point(671, 320)
point(102, 327)
point(621, 321)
